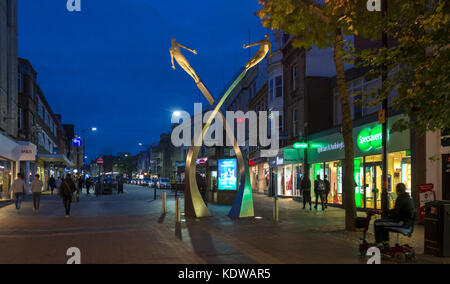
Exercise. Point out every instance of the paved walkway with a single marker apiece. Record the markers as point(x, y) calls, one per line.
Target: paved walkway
point(130, 229)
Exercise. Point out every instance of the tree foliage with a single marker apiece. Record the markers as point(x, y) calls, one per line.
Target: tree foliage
point(323, 24)
point(126, 164)
point(420, 60)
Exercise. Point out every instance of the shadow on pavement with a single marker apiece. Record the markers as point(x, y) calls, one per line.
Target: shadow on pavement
point(161, 218)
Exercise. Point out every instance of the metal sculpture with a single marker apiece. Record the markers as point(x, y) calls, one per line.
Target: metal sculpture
point(194, 204)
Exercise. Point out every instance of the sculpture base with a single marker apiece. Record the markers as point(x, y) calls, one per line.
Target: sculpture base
point(243, 204)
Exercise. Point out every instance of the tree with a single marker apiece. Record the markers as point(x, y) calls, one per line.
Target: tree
point(420, 59)
point(126, 164)
point(324, 24)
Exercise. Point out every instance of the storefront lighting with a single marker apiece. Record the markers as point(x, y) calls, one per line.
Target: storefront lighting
point(299, 145)
point(370, 138)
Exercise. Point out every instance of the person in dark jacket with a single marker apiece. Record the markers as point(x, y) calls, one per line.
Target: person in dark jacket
point(80, 187)
point(52, 184)
point(319, 191)
point(401, 216)
point(120, 186)
point(327, 190)
point(306, 192)
point(88, 185)
point(66, 191)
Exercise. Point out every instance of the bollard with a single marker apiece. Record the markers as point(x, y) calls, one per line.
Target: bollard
point(164, 198)
point(275, 210)
point(178, 211)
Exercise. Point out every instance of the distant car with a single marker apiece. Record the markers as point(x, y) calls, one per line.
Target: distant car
point(164, 183)
point(153, 183)
point(146, 181)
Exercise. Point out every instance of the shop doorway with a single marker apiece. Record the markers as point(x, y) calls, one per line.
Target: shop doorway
point(373, 185)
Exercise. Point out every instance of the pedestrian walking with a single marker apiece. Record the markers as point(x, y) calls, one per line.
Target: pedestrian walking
point(52, 184)
point(67, 189)
point(306, 192)
point(319, 191)
point(120, 186)
point(36, 190)
point(19, 190)
point(58, 183)
point(88, 185)
point(201, 183)
point(327, 190)
point(80, 187)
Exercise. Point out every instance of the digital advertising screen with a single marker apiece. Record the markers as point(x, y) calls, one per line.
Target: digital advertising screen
point(227, 174)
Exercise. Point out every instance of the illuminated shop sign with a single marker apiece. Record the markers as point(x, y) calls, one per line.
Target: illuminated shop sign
point(227, 174)
point(331, 147)
point(369, 139)
point(299, 145)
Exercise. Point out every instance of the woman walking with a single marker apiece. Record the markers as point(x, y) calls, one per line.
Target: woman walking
point(66, 191)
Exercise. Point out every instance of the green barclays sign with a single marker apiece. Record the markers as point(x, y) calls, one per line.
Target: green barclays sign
point(370, 138)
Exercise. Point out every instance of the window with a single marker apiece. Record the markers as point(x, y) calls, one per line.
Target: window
point(20, 83)
point(357, 107)
point(9, 13)
point(294, 123)
point(337, 108)
point(253, 90)
point(281, 123)
point(271, 90)
point(20, 116)
point(279, 86)
point(294, 77)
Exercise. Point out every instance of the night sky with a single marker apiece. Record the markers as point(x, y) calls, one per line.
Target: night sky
point(109, 66)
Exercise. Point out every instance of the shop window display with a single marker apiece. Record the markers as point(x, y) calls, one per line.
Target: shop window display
point(5, 178)
point(399, 171)
point(373, 179)
point(334, 172)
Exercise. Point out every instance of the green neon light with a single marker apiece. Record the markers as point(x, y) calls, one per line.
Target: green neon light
point(299, 145)
point(315, 145)
point(369, 139)
point(359, 194)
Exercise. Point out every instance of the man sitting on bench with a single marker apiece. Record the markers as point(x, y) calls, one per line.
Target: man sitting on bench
point(401, 216)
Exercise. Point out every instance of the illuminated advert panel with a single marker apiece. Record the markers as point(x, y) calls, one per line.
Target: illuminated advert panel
point(227, 174)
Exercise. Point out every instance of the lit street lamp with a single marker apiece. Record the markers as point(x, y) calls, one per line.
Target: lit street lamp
point(92, 129)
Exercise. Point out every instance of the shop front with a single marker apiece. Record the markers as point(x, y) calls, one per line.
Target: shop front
point(52, 165)
point(327, 160)
point(7, 170)
point(286, 173)
point(11, 155)
point(259, 175)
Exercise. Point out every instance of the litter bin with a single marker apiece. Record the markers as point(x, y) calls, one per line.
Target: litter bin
point(437, 228)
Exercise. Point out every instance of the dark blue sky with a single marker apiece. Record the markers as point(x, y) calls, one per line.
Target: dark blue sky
point(109, 66)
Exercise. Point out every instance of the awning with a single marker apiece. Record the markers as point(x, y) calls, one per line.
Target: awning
point(8, 147)
point(56, 158)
